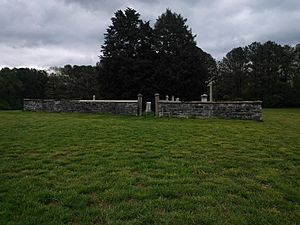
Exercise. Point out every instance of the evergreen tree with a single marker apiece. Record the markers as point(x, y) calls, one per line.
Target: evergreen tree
point(180, 65)
point(125, 65)
point(210, 64)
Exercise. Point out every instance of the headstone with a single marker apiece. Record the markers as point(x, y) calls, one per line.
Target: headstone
point(148, 107)
point(204, 98)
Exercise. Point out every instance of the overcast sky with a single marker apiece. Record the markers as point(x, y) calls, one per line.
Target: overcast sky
point(45, 33)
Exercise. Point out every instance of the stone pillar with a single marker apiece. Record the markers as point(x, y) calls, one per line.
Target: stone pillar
point(177, 99)
point(210, 91)
point(94, 97)
point(140, 104)
point(167, 97)
point(173, 98)
point(156, 105)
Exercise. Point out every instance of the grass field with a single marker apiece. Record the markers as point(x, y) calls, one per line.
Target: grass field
point(70, 168)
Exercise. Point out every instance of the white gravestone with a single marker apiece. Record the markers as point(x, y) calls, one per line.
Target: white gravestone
point(204, 98)
point(148, 107)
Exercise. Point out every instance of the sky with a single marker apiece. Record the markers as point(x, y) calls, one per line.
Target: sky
point(48, 33)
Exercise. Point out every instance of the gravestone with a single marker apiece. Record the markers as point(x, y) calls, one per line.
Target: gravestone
point(204, 98)
point(148, 107)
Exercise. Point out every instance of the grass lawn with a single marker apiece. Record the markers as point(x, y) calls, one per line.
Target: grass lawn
point(71, 168)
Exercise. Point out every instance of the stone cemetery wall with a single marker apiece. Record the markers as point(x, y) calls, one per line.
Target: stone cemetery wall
point(248, 110)
point(128, 107)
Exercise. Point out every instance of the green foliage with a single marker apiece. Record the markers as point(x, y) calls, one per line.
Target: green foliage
point(17, 84)
point(267, 72)
point(125, 66)
point(81, 81)
point(139, 59)
point(180, 69)
point(71, 168)
point(232, 79)
point(34, 82)
point(77, 82)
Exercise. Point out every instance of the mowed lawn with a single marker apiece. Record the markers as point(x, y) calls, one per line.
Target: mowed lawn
point(71, 168)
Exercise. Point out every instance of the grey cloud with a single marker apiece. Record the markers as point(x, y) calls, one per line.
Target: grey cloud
point(57, 32)
point(51, 23)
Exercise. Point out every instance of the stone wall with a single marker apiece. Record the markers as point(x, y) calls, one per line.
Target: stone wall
point(128, 107)
point(248, 110)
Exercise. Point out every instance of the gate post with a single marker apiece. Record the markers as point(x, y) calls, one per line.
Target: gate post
point(140, 104)
point(156, 105)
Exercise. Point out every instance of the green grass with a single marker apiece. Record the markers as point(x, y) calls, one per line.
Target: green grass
point(70, 168)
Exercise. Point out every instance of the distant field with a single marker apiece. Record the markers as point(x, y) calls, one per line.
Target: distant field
point(70, 168)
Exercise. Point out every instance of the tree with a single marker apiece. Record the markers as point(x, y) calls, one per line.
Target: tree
point(266, 72)
point(294, 83)
point(57, 87)
point(231, 84)
point(34, 82)
point(73, 82)
point(210, 64)
point(10, 89)
point(180, 65)
point(17, 84)
point(139, 59)
point(126, 61)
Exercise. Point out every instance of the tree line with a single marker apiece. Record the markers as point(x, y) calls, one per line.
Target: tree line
point(68, 82)
point(138, 58)
point(268, 72)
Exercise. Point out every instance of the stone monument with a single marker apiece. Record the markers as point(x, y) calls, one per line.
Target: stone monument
point(204, 98)
point(148, 107)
